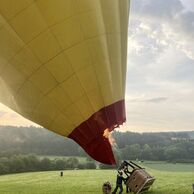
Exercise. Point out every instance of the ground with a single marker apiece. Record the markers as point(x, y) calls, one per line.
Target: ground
point(171, 179)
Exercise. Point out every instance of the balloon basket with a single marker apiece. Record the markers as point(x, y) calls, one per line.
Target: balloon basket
point(138, 180)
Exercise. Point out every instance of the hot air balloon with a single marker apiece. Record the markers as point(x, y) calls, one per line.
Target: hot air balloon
point(63, 66)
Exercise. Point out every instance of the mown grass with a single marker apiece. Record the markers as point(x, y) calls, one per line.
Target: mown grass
point(173, 167)
point(90, 181)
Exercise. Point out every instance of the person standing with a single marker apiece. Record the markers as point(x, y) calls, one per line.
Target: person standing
point(193, 188)
point(119, 183)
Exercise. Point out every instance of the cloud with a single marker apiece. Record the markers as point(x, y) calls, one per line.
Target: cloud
point(147, 100)
point(157, 100)
point(9, 117)
point(160, 9)
point(185, 23)
point(168, 22)
point(160, 74)
point(188, 4)
point(2, 113)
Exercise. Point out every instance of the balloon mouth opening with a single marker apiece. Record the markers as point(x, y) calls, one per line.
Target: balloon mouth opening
point(108, 135)
point(94, 134)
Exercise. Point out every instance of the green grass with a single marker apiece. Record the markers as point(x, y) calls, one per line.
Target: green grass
point(90, 181)
point(164, 166)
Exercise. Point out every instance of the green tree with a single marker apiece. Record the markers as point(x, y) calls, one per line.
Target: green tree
point(175, 153)
point(135, 151)
point(158, 153)
point(16, 164)
point(90, 165)
point(146, 152)
point(3, 169)
point(45, 164)
point(72, 163)
point(60, 164)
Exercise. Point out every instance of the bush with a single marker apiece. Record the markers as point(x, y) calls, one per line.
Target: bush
point(90, 165)
point(45, 164)
point(72, 163)
point(105, 166)
point(60, 164)
point(81, 166)
point(17, 164)
point(3, 169)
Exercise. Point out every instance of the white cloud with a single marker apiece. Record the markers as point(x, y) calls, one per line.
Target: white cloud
point(188, 4)
point(2, 113)
point(9, 117)
point(160, 66)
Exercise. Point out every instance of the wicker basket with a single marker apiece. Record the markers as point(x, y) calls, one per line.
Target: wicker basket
point(106, 188)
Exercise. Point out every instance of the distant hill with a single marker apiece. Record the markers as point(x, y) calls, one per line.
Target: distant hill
point(191, 134)
point(130, 145)
point(35, 140)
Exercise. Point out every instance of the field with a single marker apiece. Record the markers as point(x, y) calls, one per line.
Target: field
point(171, 179)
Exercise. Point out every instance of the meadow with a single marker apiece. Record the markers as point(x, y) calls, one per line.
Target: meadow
point(170, 179)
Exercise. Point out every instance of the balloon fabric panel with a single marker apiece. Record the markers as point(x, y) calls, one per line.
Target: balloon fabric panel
point(63, 66)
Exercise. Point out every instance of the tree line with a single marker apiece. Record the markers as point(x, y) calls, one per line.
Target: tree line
point(32, 163)
point(168, 146)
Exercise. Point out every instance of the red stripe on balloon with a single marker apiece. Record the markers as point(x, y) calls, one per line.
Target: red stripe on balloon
point(89, 134)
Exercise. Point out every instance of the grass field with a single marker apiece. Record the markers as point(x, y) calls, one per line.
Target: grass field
point(177, 179)
point(164, 166)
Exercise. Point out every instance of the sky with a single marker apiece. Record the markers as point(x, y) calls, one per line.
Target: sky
point(160, 72)
point(160, 76)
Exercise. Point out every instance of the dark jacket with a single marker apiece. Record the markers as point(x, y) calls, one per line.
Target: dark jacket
point(120, 179)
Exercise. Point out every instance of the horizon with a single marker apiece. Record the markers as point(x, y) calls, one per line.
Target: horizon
point(116, 129)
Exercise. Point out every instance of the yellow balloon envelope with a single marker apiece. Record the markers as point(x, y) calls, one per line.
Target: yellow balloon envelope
point(63, 66)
